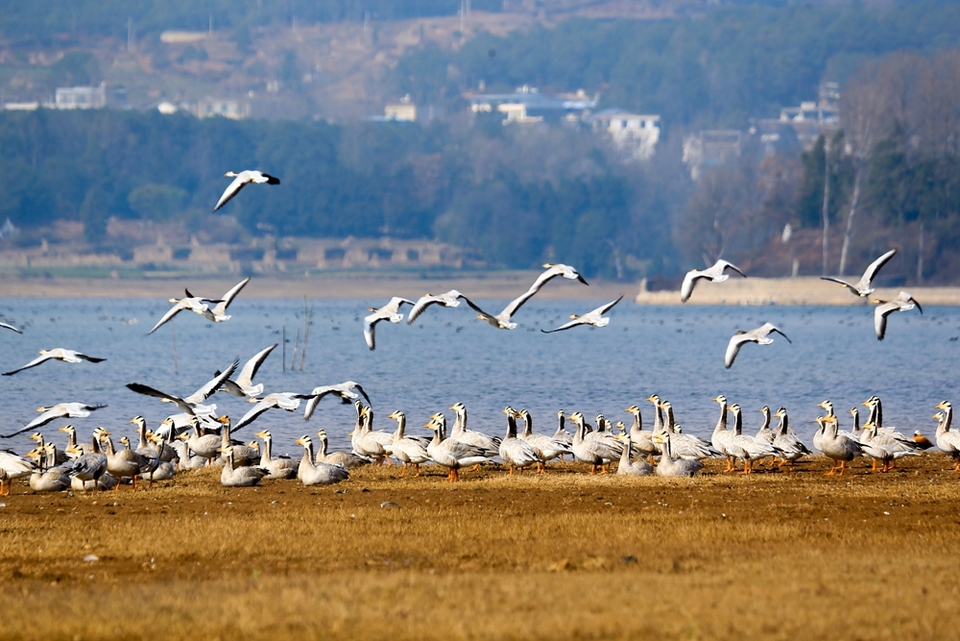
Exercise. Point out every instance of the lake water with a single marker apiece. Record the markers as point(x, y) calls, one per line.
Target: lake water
point(448, 356)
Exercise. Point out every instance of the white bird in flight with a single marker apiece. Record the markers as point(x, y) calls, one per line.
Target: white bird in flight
point(449, 299)
point(348, 391)
point(503, 319)
point(288, 401)
point(595, 318)
point(57, 353)
point(190, 404)
point(715, 273)
point(758, 336)
point(60, 410)
point(904, 302)
point(243, 385)
point(201, 305)
point(390, 312)
point(864, 286)
point(243, 178)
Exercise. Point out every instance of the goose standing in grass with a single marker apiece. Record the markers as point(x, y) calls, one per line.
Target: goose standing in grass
point(839, 447)
point(347, 392)
point(715, 273)
point(598, 452)
point(758, 335)
point(547, 448)
point(449, 453)
point(151, 447)
point(59, 354)
point(595, 318)
point(685, 446)
point(947, 439)
point(406, 449)
point(827, 405)
point(448, 299)
point(191, 404)
point(514, 452)
point(389, 312)
point(346, 460)
point(87, 467)
point(904, 302)
point(121, 463)
point(384, 438)
point(721, 435)
point(788, 444)
point(363, 442)
point(748, 448)
point(48, 477)
point(864, 286)
point(561, 433)
point(277, 468)
point(53, 412)
point(12, 467)
point(288, 401)
point(766, 434)
point(627, 465)
point(245, 177)
point(313, 473)
point(503, 319)
point(243, 385)
point(673, 467)
point(889, 446)
point(641, 440)
point(233, 476)
point(459, 432)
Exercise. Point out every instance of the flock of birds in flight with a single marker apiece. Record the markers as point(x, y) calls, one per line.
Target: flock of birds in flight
point(197, 437)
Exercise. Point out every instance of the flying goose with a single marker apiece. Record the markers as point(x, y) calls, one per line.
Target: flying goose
point(503, 319)
point(715, 273)
point(58, 353)
point(190, 404)
point(595, 318)
point(864, 286)
point(60, 410)
point(347, 391)
point(448, 299)
point(390, 312)
point(243, 178)
point(243, 385)
point(201, 306)
point(758, 335)
point(193, 303)
point(288, 401)
point(904, 302)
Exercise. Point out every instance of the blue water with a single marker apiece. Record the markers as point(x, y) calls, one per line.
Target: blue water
point(449, 356)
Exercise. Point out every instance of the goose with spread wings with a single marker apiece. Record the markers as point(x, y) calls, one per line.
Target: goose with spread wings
point(904, 302)
point(390, 312)
point(595, 318)
point(240, 180)
point(448, 299)
point(288, 401)
point(503, 319)
point(57, 353)
point(53, 412)
point(201, 306)
point(347, 391)
point(715, 273)
point(758, 335)
point(190, 404)
point(864, 286)
point(243, 385)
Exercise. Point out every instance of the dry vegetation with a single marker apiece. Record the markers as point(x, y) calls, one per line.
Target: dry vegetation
point(774, 555)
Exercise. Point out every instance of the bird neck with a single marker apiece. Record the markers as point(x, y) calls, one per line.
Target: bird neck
point(511, 426)
point(308, 454)
point(527, 425)
point(401, 426)
point(722, 422)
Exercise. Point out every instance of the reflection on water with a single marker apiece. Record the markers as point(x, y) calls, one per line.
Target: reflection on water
point(448, 356)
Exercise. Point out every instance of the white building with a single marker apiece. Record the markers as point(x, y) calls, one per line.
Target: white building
point(81, 97)
point(637, 134)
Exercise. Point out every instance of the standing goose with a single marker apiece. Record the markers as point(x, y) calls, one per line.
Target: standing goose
point(561, 433)
point(490, 445)
point(407, 450)
point(347, 392)
point(947, 439)
point(758, 336)
point(595, 318)
point(449, 453)
point(788, 444)
point(277, 468)
point(12, 467)
point(750, 447)
point(818, 435)
point(71, 433)
point(245, 177)
point(598, 452)
point(547, 448)
point(232, 476)
point(685, 446)
point(363, 442)
point(515, 452)
point(864, 286)
point(669, 466)
point(243, 455)
point(721, 435)
point(503, 319)
point(206, 446)
point(125, 463)
point(715, 273)
point(150, 448)
point(889, 446)
point(57, 353)
point(449, 299)
point(838, 447)
point(389, 312)
point(627, 465)
point(766, 434)
point(312, 473)
point(243, 385)
point(641, 440)
point(87, 467)
point(346, 460)
point(904, 302)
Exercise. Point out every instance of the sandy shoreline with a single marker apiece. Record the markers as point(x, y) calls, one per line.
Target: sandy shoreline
point(497, 285)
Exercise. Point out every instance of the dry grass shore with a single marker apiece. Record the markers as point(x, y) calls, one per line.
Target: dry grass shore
point(567, 555)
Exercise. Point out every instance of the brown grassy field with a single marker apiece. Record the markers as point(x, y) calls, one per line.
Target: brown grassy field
point(567, 555)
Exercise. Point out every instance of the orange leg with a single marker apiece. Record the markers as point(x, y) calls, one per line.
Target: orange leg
point(403, 470)
point(416, 466)
point(832, 469)
point(729, 464)
point(843, 467)
point(454, 474)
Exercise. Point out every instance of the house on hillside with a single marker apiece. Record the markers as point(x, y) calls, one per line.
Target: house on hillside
point(637, 134)
point(711, 147)
point(232, 109)
point(528, 105)
point(81, 97)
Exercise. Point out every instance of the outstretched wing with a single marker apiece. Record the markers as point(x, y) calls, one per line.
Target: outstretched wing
point(577, 321)
point(733, 348)
point(420, 306)
point(173, 311)
point(369, 330)
point(250, 368)
point(91, 359)
point(39, 359)
point(232, 190)
point(11, 327)
point(871, 272)
point(726, 264)
point(252, 415)
point(689, 282)
point(146, 390)
point(842, 282)
point(210, 387)
point(221, 307)
point(606, 308)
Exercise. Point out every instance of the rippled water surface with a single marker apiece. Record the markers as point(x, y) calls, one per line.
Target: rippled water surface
point(449, 356)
